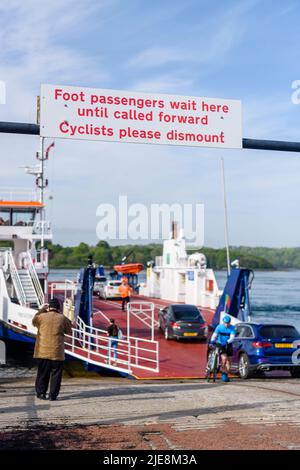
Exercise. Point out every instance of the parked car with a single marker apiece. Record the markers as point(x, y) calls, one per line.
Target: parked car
point(182, 321)
point(110, 290)
point(265, 347)
point(99, 282)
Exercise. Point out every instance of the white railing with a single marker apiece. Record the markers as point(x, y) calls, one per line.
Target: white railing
point(16, 279)
point(69, 287)
point(80, 324)
point(140, 352)
point(41, 227)
point(18, 194)
point(4, 259)
point(35, 280)
point(41, 258)
point(143, 311)
point(95, 349)
point(93, 344)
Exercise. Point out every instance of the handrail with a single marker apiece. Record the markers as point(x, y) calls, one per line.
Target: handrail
point(16, 279)
point(66, 286)
point(90, 344)
point(41, 227)
point(35, 281)
point(137, 353)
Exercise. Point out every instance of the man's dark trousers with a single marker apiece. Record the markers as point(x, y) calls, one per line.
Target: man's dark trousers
point(124, 300)
point(49, 371)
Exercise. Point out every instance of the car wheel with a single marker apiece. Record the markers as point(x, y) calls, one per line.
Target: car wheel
point(244, 366)
point(295, 373)
point(160, 326)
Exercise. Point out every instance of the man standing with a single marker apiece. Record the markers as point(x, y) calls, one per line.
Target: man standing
point(125, 292)
point(49, 349)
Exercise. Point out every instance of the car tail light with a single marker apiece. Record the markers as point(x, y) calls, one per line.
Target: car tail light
point(261, 344)
point(175, 325)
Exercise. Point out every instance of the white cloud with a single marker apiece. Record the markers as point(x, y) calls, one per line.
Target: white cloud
point(210, 42)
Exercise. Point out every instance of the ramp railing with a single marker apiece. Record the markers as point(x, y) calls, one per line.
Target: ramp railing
point(35, 280)
point(93, 345)
point(145, 312)
point(16, 278)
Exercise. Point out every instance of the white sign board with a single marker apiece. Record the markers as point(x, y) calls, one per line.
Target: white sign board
point(124, 116)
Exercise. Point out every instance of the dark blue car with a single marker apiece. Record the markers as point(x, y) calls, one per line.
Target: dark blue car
point(265, 347)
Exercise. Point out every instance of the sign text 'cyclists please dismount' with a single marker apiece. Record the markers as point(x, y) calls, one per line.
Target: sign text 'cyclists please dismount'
point(124, 116)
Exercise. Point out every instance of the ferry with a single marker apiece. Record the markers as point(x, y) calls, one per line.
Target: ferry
point(178, 277)
point(143, 351)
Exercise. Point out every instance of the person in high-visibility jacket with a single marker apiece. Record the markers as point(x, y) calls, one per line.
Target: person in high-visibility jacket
point(125, 292)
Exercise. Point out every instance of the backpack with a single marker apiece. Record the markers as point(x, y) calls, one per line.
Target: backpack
point(120, 334)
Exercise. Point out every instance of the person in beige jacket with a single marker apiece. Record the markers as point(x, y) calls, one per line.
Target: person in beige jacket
point(49, 349)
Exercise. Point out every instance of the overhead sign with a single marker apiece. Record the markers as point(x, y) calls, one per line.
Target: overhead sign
point(124, 116)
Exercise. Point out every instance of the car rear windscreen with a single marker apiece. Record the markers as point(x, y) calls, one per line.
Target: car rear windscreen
point(115, 284)
point(279, 331)
point(187, 313)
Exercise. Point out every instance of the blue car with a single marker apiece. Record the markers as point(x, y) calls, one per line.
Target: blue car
point(264, 347)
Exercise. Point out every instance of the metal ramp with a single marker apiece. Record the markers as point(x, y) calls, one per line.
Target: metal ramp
point(92, 346)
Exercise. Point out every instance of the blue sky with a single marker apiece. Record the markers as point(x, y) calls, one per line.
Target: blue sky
point(247, 50)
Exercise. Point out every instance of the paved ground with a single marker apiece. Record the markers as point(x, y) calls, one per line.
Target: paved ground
point(116, 413)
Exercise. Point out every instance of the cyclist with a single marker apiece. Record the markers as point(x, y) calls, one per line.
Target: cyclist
point(223, 337)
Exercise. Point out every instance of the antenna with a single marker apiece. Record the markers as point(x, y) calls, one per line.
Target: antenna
point(226, 218)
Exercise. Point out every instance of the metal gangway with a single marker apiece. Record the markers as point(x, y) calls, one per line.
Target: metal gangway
point(93, 346)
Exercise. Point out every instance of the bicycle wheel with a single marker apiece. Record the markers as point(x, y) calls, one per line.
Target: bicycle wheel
point(210, 365)
point(215, 366)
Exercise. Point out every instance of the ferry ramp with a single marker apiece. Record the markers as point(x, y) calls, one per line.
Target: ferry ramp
point(184, 359)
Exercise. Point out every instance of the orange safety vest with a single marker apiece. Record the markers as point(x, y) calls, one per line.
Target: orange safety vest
point(125, 290)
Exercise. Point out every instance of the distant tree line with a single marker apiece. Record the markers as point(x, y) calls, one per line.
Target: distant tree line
point(103, 253)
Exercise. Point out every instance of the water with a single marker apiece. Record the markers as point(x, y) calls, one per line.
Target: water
point(275, 295)
point(63, 274)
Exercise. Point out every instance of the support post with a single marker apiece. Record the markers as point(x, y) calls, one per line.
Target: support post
point(226, 218)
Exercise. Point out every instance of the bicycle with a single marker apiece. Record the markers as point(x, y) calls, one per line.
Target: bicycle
point(213, 363)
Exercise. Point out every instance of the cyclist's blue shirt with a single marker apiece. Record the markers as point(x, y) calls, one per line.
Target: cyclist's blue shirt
point(223, 333)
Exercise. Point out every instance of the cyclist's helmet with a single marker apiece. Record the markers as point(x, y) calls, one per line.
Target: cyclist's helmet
point(226, 319)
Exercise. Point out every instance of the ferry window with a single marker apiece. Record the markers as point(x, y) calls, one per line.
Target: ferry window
point(22, 217)
point(4, 218)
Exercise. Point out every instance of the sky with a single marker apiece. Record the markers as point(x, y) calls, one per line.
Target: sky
point(246, 50)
